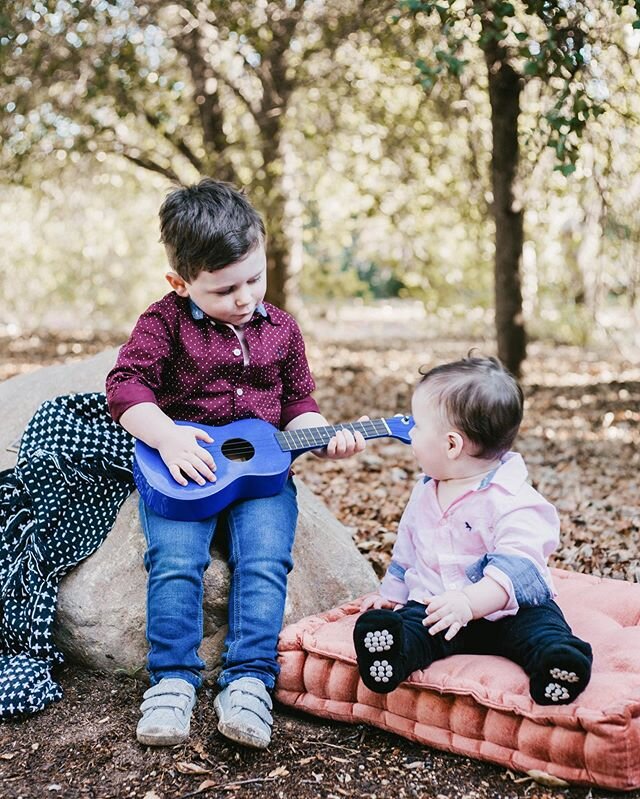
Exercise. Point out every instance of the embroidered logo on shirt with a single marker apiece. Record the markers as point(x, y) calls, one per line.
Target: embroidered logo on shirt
point(468, 526)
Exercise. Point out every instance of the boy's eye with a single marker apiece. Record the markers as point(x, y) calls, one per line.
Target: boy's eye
point(223, 293)
point(255, 279)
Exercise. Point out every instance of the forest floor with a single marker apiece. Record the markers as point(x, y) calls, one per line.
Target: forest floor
point(581, 442)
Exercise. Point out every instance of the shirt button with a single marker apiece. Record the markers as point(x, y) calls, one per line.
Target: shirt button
point(237, 351)
point(239, 392)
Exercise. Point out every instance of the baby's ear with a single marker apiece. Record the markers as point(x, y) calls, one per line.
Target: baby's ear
point(455, 445)
point(177, 284)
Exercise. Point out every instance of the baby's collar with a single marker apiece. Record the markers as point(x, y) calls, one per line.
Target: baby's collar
point(510, 474)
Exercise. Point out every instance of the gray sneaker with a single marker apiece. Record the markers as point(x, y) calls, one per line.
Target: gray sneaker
point(243, 709)
point(166, 713)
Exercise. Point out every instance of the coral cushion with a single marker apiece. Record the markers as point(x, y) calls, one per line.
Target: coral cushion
point(480, 705)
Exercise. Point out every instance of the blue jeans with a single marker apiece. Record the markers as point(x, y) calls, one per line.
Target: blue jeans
point(260, 535)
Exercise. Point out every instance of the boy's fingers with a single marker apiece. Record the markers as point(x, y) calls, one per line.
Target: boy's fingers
point(206, 472)
point(203, 435)
point(190, 470)
point(206, 457)
point(198, 463)
point(177, 475)
point(204, 465)
point(338, 444)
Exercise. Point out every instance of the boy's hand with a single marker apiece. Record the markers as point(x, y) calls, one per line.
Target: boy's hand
point(449, 611)
point(345, 443)
point(182, 454)
point(377, 601)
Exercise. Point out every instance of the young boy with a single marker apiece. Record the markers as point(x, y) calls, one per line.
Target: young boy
point(212, 351)
point(469, 568)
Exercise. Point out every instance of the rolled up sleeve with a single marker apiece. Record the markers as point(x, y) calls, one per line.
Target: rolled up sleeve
point(524, 539)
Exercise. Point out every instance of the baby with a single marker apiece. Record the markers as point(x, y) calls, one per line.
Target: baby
point(469, 571)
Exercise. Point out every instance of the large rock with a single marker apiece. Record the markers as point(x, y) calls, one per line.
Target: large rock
point(101, 606)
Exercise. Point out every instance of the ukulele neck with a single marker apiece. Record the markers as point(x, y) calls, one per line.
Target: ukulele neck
point(307, 438)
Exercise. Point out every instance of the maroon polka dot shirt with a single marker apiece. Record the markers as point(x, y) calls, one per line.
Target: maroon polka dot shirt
point(193, 368)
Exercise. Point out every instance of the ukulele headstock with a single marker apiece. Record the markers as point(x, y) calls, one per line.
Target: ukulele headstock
point(400, 425)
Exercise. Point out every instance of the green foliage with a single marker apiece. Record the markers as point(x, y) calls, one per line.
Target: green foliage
point(552, 42)
point(388, 183)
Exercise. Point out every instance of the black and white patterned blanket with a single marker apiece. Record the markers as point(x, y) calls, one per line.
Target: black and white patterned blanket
point(56, 507)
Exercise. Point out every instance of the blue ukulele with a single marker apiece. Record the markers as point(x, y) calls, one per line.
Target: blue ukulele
point(253, 459)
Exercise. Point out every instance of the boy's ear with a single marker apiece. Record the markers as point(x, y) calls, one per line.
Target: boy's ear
point(177, 283)
point(455, 445)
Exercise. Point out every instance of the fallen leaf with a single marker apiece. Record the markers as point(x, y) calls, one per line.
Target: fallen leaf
point(8, 756)
point(516, 778)
point(546, 779)
point(205, 785)
point(281, 771)
point(151, 795)
point(191, 768)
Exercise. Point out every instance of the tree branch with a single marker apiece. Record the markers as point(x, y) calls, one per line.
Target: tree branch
point(152, 166)
point(178, 142)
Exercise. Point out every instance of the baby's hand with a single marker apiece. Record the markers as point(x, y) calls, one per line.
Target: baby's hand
point(181, 453)
point(451, 610)
point(377, 601)
point(345, 443)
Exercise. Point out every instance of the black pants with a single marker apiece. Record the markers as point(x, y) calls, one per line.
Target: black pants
point(521, 638)
point(538, 639)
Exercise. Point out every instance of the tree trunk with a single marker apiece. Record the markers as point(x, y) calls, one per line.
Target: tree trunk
point(278, 254)
point(504, 95)
point(271, 197)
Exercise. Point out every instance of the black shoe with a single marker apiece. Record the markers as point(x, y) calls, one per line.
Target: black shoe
point(378, 639)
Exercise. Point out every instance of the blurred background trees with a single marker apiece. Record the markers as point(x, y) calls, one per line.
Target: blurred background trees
point(361, 129)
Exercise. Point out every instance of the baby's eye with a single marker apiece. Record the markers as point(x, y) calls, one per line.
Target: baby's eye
point(255, 279)
point(223, 293)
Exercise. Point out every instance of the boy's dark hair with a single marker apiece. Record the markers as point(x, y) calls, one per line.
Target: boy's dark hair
point(481, 399)
point(208, 226)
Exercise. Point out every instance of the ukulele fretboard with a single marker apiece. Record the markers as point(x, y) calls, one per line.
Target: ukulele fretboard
point(315, 437)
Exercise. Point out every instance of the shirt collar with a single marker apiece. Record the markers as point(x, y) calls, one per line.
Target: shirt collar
point(510, 474)
point(197, 313)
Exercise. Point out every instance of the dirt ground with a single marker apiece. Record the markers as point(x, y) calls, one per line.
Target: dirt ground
point(580, 440)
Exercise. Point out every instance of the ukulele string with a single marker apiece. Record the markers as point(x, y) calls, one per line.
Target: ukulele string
point(246, 448)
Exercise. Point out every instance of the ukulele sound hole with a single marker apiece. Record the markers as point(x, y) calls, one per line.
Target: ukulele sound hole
point(237, 449)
